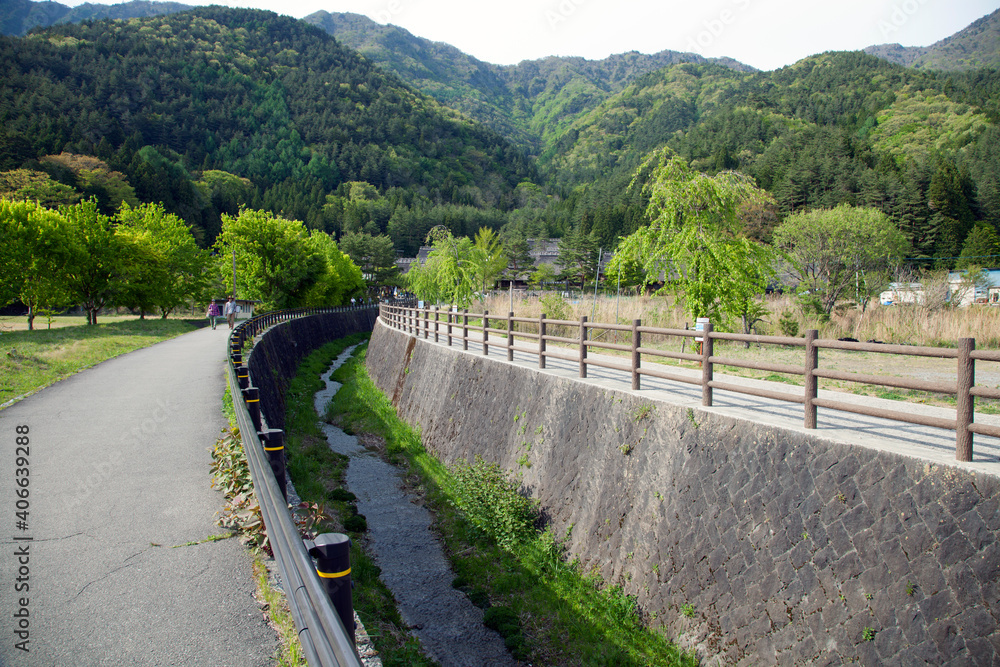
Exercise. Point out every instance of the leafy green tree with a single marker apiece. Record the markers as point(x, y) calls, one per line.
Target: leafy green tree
point(176, 267)
point(578, 255)
point(275, 263)
point(446, 276)
point(341, 278)
point(29, 185)
point(486, 261)
point(227, 192)
point(840, 251)
point(693, 241)
point(544, 274)
point(36, 250)
point(374, 255)
point(94, 178)
point(96, 276)
point(982, 248)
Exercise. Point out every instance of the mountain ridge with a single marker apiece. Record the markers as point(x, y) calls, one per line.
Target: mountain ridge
point(977, 45)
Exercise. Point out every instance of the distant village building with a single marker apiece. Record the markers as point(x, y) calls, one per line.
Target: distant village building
point(959, 291)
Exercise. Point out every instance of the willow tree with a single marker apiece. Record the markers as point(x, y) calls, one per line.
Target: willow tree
point(446, 275)
point(457, 269)
point(695, 243)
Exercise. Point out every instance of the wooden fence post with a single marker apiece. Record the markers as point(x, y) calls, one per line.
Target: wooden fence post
point(636, 357)
point(449, 326)
point(426, 322)
point(541, 340)
point(706, 365)
point(811, 383)
point(510, 336)
point(965, 404)
point(437, 316)
point(583, 346)
point(465, 328)
point(486, 333)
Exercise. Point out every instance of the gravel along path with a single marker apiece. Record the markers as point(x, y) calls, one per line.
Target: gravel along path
point(450, 628)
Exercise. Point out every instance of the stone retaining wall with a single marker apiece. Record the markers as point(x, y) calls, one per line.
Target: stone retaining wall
point(753, 544)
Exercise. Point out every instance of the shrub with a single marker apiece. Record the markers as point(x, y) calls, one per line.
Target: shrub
point(490, 499)
point(788, 324)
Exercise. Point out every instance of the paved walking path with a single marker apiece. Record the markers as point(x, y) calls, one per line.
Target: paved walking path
point(119, 475)
point(931, 444)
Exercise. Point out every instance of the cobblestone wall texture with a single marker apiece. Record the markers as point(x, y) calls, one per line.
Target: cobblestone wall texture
point(752, 544)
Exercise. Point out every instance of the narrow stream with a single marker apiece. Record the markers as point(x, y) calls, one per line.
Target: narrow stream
point(414, 567)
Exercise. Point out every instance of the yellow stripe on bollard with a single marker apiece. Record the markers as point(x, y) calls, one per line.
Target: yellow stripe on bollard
point(334, 575)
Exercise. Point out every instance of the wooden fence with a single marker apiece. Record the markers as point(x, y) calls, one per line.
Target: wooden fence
point(455, 326)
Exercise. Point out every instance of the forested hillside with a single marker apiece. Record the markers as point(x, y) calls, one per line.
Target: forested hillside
point(215, 108)
point(17, 17)
point(834, 128)
point(970, 48)
point(531, 102)
point(212, 108)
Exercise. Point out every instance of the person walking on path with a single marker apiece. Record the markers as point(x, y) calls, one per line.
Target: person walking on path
point(213, 312)
point(230, 312)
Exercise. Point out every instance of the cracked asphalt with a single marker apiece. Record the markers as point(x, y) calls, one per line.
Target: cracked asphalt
point(119, 478)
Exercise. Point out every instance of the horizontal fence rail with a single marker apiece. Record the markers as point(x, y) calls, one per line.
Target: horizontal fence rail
point(455, 327)
point(322, 633)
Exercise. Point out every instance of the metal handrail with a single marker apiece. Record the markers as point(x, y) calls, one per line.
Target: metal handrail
point(325, 641)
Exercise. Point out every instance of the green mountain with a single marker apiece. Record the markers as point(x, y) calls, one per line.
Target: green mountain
point(531, 102)
point(165, 100)
point(17, 17)
point(833, 128)
point(973, 47)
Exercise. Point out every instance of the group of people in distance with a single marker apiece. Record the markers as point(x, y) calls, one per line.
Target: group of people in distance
point(229, 309)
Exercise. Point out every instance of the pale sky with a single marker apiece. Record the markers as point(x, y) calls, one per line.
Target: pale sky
point(766, 34)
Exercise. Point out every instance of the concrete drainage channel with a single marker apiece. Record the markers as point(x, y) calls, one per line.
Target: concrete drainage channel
point(450, 628)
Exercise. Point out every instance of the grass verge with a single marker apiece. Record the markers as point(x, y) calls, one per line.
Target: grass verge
point(33, 360)
point(547, 610)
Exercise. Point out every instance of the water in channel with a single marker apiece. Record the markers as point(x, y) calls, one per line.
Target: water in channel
point(450, 628)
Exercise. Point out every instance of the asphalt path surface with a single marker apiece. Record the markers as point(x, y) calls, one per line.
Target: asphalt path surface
point(118, 462)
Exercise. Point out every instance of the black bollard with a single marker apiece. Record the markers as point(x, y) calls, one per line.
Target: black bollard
point(252, 398)
point(273, 441)
point(332, 552)
point(243, 376)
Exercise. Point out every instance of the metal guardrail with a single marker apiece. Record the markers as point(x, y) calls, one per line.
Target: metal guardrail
point(428, 322)
point(325, 641)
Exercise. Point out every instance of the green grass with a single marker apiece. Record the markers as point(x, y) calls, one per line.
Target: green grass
point(32, 360)
point(563, 616)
